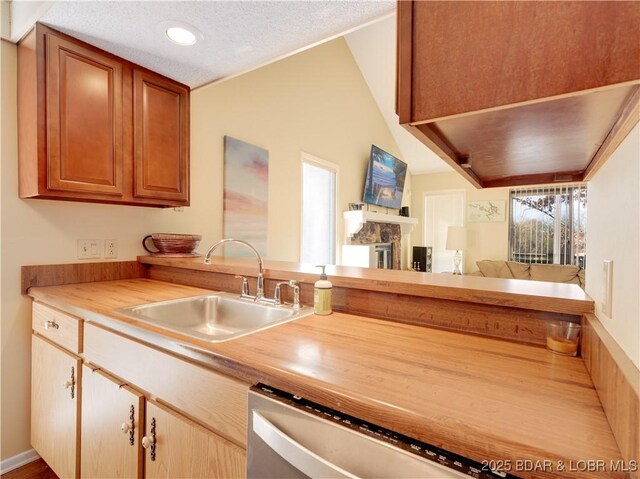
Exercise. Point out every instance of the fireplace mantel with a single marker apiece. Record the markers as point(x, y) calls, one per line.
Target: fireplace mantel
point(353, 221)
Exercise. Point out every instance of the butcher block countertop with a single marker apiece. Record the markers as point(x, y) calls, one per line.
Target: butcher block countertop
point(486, 399)
point(516, 293)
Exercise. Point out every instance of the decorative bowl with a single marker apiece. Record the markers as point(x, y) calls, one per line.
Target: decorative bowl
point(172, 244)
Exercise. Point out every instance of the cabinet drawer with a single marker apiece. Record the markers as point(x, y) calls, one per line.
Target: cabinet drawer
point(57, 326)
point(215, 400)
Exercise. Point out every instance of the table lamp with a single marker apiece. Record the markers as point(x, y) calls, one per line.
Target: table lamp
point(456, 240)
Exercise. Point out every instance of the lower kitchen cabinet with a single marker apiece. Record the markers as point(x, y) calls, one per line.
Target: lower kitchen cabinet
point(55, 387)
point(177, 447)
point(112, 418)
point(92, 420)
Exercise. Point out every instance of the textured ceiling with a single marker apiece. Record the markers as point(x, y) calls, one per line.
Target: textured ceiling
point(238, 35)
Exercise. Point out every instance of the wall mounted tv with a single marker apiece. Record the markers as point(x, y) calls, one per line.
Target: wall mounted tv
point(385, 179)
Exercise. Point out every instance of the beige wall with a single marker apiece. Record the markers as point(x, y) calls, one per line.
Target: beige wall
point(484, 240)
point(613, 233)
point(43, 232)
point(315, 102)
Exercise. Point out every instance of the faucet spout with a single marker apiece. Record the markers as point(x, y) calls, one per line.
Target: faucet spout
point(260, 285)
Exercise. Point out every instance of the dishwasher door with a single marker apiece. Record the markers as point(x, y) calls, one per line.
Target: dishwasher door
point(293, 438)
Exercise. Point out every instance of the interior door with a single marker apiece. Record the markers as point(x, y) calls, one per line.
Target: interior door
point(441, 210)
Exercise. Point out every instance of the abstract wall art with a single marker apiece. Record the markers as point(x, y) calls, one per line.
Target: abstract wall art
point(246, 181)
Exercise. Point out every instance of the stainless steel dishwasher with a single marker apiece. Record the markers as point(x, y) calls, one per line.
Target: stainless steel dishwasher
point(290, 437)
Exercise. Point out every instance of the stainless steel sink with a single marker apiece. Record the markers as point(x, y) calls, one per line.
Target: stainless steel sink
point(214, 317)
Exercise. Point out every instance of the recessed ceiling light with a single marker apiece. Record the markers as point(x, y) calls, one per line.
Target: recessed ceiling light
point(182, 33)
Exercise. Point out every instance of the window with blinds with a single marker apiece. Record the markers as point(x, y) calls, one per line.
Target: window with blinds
point(548, 225)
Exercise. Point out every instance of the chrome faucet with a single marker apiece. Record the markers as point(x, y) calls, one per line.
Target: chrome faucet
point(277, 299)
point(245, 290)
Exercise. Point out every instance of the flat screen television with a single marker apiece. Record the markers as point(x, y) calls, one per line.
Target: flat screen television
point(385, 179)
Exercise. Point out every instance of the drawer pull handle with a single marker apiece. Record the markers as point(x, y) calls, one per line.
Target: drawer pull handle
point(51, 325)
point(149, 442)
point(129, 427)
point(71, 383)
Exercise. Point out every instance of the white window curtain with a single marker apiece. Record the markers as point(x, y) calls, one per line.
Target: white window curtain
point(318, 232)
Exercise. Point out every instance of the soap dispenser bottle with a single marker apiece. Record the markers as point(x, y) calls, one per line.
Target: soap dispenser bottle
point(322, 294)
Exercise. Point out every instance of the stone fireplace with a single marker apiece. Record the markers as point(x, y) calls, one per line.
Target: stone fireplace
point(363, 227)
point(381, 233)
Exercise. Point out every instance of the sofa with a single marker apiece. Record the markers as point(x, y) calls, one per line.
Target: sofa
point(556, 273)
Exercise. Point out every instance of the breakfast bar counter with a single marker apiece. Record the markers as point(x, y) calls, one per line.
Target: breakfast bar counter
point(511, 406)
point(541, 296)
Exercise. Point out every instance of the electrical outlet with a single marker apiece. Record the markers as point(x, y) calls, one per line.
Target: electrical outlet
point(111, 248)
point(88, 248)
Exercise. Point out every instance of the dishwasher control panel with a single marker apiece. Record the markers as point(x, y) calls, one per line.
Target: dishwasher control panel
point(463, 465)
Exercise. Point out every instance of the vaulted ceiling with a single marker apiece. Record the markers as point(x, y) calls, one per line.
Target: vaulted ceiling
point(237, 36)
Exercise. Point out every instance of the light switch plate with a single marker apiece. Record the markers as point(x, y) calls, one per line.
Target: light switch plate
point(607, 287)
point(88, 248)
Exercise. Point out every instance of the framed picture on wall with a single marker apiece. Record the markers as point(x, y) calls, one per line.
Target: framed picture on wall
point(485, 211)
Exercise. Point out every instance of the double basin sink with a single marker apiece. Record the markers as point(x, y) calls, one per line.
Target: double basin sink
point(214, 317)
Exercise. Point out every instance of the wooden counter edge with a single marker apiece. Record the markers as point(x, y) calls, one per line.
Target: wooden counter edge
point(525, 300)
point(617, 382)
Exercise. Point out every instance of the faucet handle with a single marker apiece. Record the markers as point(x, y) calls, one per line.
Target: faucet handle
point(245, 285)
point(296, 292)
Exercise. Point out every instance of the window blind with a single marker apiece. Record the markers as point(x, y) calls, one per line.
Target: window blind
point(548, 225)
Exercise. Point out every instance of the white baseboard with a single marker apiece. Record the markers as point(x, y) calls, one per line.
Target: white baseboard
point(17, 461)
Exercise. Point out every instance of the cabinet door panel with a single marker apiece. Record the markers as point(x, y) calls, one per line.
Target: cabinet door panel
point(84, 128)
point(108, 450)
point(160, 138)
point(183, 449)
point(213, 399)
point(54, 408)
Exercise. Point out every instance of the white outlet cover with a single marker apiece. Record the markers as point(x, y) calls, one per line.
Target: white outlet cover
point(111, 248)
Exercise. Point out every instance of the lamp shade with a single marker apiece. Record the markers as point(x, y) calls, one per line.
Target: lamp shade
point(456, 238)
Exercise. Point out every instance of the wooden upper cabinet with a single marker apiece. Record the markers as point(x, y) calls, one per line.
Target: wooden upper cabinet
point(161, 142)
point(79, 123)
point(513, 93)
point(84, 119)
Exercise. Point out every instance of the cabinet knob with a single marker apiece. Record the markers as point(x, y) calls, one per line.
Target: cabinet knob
point(148, 441)
point(68, 384)
point(126, 427)
point(51, 325)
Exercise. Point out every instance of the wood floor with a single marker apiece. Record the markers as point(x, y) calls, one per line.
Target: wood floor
point(34, 470)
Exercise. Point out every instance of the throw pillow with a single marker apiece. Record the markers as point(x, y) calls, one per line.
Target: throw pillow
point(556, 273)
point(519, 270)
point(494, 269)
